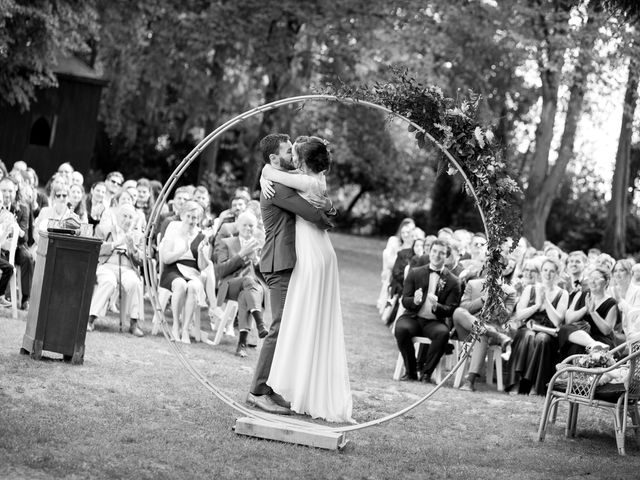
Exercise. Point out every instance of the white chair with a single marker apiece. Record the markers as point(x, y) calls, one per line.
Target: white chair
point(494, 353)
point(14, 285)
point(417, 341)
point(222, 325)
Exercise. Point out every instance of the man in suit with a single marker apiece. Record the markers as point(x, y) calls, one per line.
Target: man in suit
point(22, 213)
point(120, 256)
point(236, 258)
point(464, 317)
point(278, 259)
point(430, 295)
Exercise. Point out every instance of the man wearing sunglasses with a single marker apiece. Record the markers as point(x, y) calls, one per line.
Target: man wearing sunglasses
point(113, 183)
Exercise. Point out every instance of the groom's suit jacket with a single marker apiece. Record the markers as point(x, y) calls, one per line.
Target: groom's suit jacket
point(279, 219)
point(447, 291)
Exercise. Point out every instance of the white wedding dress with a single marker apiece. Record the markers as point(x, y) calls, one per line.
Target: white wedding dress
point(309, 366)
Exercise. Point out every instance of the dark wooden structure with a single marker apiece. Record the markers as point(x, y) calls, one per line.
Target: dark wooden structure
point(61, 296)
point(60, 125)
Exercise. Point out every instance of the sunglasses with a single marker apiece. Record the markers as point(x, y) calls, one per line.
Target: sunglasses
point(61, 195)
point(115, 182)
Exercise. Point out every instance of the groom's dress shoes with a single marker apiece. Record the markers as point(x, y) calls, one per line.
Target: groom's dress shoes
point(279, 399)
point(408, 378)
point(266, 403)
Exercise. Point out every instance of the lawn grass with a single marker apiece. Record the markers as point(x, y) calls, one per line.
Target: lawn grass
point(132, 411)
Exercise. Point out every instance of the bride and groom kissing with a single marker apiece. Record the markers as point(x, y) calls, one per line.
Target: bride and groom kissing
point(302, 366)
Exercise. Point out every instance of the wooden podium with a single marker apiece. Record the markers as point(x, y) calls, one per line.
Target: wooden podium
point(63, 281)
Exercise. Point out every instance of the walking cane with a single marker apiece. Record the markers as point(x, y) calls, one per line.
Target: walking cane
point(122, 309)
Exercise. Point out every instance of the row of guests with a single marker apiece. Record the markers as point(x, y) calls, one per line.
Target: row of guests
point(548, 323)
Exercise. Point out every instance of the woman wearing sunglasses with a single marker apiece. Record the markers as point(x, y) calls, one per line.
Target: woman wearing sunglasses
point(58, 210)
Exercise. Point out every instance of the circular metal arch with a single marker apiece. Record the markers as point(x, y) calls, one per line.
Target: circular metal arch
point(152, 280)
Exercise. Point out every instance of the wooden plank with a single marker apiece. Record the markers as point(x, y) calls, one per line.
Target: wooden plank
point(254, 427)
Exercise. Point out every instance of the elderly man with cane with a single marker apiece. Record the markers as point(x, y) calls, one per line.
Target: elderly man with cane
point(120, 254)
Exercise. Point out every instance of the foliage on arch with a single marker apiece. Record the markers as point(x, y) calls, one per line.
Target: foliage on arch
point(454, 125)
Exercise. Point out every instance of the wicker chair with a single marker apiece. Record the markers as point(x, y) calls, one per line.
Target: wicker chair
point(579, 386)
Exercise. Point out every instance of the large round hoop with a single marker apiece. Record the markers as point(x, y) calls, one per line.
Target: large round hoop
point(152, 280)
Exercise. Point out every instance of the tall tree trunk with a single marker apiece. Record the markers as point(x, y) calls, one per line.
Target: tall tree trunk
point(616, 228)
point(280, 53)
point(533, 210)
point(544, 184)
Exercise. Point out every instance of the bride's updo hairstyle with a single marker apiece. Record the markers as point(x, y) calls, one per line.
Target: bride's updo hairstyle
point(314, 152)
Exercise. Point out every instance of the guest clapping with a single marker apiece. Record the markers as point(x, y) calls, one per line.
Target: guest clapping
point(183, 254)
point(539, 313)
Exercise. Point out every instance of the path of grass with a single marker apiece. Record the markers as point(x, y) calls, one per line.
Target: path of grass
point(131, 411)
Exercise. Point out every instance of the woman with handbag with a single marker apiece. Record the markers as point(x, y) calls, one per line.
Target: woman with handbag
point(539, 314)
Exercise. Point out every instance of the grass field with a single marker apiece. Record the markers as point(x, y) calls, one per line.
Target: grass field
point(132, 411)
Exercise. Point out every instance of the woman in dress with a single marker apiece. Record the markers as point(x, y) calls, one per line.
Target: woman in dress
point(95, 203)
point(309, 366)
point(627, 294)
point(76, 202)
point(401, 240)
point(539, 313)
point(590, 318)
point(182, 252)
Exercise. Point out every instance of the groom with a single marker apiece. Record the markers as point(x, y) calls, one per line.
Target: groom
point(278, 259)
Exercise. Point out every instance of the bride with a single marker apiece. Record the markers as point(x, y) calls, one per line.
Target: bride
point(309, 366)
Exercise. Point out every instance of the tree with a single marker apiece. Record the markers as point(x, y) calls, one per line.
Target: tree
point(616, 228)
point(32, 34)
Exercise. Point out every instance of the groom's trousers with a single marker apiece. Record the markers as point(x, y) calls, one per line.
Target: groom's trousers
point(278, 283)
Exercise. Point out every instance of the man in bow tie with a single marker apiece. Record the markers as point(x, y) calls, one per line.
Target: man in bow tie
point(431, 293)
point(576, 264)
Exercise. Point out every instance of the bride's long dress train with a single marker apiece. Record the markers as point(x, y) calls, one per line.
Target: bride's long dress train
point(310, 363)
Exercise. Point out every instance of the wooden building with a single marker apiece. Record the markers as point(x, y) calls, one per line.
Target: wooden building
point(61, 124)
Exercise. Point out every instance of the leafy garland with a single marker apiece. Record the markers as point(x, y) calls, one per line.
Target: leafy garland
point(453, 124)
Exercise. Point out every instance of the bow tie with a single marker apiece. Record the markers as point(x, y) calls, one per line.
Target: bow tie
point(437, 272)
point(577, 283)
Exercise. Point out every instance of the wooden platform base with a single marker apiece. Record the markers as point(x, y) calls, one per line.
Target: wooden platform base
point(258, 428)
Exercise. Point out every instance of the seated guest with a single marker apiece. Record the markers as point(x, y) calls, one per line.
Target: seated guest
point(227, 219)
point(113, 184)
point(58, 210)
point(539, 313)
point(628, 297)
point(77, 178)
point(182, 252)
point(453, 261)
point(120, 256)
point(395, 243)
point(530, 276)
point(145, 200)
point(590, 318)
point(464, 317)
point(201, 195)
point(76, 202)
point(22, 213)
point(403, 258)
point(7, 225)
point(431, 293)
point(254, 207)
point(472, 268)
point(576, 265)
point(635, 274)
point(180, 197)
point(95, 204)
point(236, 258)
point(606, 261)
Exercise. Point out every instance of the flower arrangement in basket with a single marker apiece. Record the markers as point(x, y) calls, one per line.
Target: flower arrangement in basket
point(597, 357)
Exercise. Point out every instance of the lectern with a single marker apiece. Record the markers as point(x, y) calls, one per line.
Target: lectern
point(63, 282)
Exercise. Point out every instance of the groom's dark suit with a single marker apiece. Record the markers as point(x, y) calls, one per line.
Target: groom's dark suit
point(277, 262)
point(413, 323)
